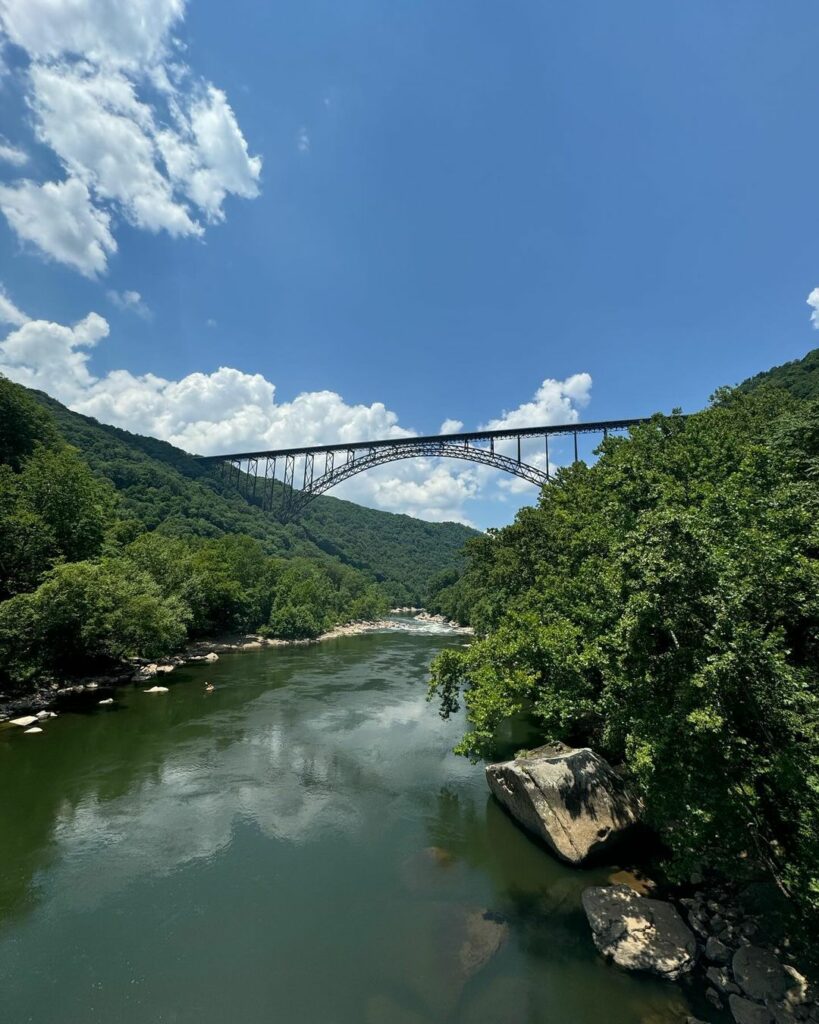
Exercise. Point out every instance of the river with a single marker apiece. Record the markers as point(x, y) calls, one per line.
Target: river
point(299, 846)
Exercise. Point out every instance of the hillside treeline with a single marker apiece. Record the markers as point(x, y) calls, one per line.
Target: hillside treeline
point(83, 586)
point(662, 606)
point(163, 489)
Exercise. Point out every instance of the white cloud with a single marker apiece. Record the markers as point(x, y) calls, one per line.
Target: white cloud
point(131, 302)
point(51, 356)
point(555, 401)
point(303, 141)
point(230, 410)
point(813, 301)
point(451, 427)
point(104, 136)
point(150, 142)
point(206, 154)
point(60, 220)
point(9, 313)
point(10, 154)
point(131, 34)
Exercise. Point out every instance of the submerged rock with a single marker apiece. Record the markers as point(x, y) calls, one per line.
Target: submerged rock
point(484, 934)
point(571, 798)
point(637, 933)
point(157, 689)
point(108, 700)
point(33, 729)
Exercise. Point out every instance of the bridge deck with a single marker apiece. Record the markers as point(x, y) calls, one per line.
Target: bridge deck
point(600, 426)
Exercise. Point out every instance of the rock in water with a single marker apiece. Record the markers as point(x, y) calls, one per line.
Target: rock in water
point(484, 934)
point(571, 798)
point(34, 729)
point(25, 721)
point(157, 689)
point(637, 933)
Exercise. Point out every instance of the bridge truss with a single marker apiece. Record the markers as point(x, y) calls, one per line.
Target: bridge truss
point(286, 480)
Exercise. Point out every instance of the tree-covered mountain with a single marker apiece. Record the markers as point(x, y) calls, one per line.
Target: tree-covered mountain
point(800, 377)
point(163, 488)
point(114, 546)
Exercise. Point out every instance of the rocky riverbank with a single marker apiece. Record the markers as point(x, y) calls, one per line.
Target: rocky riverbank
point(52, 696)
point(579, 807)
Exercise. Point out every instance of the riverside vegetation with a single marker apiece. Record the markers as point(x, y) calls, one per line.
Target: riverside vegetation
point(662, 607)
point(116, 546)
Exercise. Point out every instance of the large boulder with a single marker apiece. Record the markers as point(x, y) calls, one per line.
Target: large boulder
point(571, 798)
point(759, 974)
point(637, 933)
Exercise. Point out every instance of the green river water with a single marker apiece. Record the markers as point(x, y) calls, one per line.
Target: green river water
point(298, 846)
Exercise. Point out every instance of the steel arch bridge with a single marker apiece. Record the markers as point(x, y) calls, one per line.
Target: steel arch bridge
point(307, 472)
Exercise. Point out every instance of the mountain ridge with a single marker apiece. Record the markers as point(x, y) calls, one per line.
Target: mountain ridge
point(163, 488)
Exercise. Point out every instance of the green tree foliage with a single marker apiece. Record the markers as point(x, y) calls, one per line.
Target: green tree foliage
point(23, 424)
point(800, 377)
point(117, 545)
point(52, 510)
point(662, 606)
point(87, 615)
point(163, 489)
point(309, 598)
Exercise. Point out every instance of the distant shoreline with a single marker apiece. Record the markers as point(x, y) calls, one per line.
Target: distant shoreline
point(91, 689)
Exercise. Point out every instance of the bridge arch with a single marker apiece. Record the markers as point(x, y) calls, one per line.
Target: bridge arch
point(308, 472)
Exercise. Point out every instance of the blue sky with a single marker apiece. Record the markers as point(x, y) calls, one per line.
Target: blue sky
point(423, 209)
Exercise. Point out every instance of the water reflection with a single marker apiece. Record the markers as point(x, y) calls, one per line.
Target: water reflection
point(299, 844)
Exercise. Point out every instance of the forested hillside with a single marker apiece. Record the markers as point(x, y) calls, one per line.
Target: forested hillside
point(163, 488)
point(800, 377)
point(662, 606)
point(115, 546)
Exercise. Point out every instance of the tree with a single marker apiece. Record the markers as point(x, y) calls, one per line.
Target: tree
point(662, 605)
point(87, 615)
point(23, 424)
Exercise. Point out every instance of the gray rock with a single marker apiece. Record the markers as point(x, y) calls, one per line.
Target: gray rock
point(714, 998)
point(746, 1012)
point(799, 990)
point(637, 933)
point(717, 952)
point(721, 980)
point(571, 798)
point(759, 974)
point(782, 1014)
